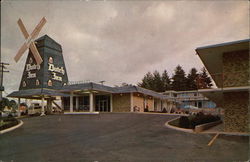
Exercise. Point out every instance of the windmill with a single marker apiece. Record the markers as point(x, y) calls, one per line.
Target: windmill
point(29, 43)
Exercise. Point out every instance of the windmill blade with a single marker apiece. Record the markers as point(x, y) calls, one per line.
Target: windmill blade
point(20, 52)
point(38, 28)
point(36, 54)
point(23, 29)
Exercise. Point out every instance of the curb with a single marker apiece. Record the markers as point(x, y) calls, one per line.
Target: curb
point(169, 114)
point(81, 113)
point(12, 128)
point(203, 132)
point(178, 128)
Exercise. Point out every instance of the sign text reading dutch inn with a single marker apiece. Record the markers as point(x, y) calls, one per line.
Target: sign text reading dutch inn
point(55, 70)
point(30, 67)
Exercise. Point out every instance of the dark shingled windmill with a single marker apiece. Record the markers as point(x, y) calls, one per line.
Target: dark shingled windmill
point(44, 72)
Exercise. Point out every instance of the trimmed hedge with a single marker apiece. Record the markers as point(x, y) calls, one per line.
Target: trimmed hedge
point(198, 119)
point(184, 122)
point(9, 122)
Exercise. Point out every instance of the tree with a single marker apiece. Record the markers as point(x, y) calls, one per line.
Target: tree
point(179, 79)
point(204, 81)
point(191, 79)
point(13, 104)
point(147, 81)
point(4, 102)
point(166, 81)
point(158, 84)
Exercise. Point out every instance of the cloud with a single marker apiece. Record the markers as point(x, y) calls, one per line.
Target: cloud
point(121, 41)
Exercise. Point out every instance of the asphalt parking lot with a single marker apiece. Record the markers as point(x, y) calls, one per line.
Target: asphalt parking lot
point(114, 137)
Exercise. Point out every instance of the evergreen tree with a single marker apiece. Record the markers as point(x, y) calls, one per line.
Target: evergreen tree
point(204, 81)
point(166, 81)
point(191, 79)
point(4, 102)
point(158, 84)
point(179, 79)
point(147, 81)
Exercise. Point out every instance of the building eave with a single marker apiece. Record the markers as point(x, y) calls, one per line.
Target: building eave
point(211, 56)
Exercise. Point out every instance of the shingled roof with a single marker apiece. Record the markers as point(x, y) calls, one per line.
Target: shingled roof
point(30, 93)
point(85, 87)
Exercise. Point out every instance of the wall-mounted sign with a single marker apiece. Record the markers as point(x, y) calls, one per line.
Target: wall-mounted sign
point(31, 68)
point(55, 70)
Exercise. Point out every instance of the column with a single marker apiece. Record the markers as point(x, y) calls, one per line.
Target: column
point(62, 103)
point(131, 102)
point(111, 103)
point(77, 103)
point(71, 102)
point(18, 106)
point(91, 102)
point(49, 105)
point(43, 112)
point(153, 104)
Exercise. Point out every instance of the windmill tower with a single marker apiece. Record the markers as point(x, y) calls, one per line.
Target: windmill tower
point(44, 71)
point(51, 73)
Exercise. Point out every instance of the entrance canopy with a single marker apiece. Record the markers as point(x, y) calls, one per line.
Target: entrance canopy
point(86, 88)
point(37, 93)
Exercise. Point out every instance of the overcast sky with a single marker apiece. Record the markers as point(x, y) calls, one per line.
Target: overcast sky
point(121, 41)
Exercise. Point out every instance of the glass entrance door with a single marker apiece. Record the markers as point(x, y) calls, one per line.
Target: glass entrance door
point(102, 103)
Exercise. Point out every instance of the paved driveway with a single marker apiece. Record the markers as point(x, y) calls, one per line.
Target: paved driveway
point(113, 137)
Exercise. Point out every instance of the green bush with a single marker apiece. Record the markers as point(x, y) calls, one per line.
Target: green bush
point(200, 118)
point(8, 122)
point(184, 122)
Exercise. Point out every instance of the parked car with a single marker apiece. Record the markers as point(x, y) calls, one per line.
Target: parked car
point(4, 113)
point(35, 109)
point(190, 107)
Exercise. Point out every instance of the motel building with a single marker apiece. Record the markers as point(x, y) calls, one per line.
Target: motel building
point(228, 65)
point(49, 82)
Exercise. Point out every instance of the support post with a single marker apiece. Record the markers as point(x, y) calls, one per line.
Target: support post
point(131, 102)
point(111, 103)
point(18, 106)
point(49, 105)
point(77, 103)
point(62, 103)
point(43, 112)
point(153, 103)
point(91, 102)
point(71, 102)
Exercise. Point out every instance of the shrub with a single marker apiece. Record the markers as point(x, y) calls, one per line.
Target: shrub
point(9, 122)
point(200, 118)
point(146, 110)
point(184, 122)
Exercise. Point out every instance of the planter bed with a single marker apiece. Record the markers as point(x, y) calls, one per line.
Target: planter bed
point(198, 123)
point(7, 122)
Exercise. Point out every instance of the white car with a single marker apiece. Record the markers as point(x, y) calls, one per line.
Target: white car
point(4, 113)
point(35, 109)
point(190, 107)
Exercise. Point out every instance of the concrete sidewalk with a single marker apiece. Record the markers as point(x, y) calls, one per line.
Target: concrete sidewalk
point(220, 129)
